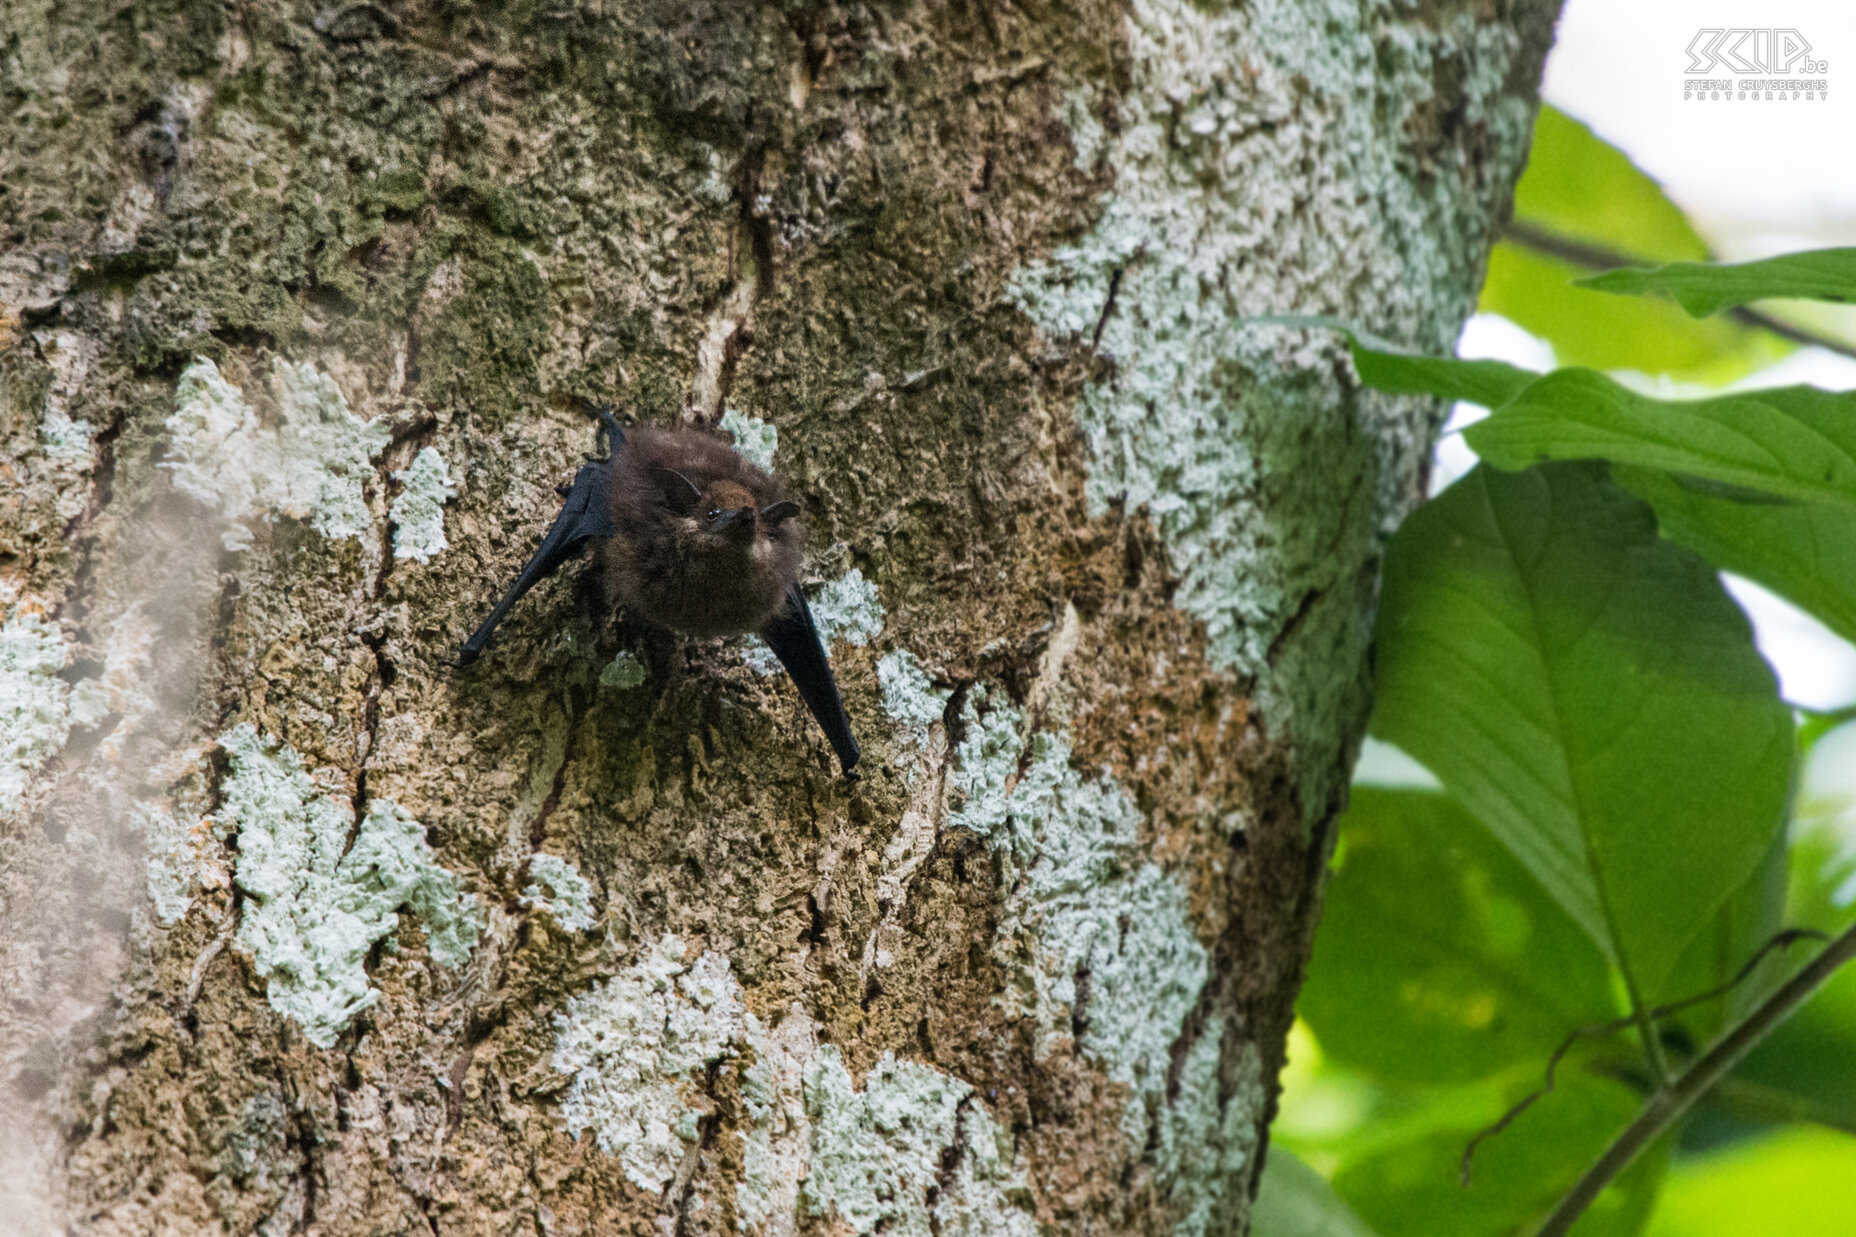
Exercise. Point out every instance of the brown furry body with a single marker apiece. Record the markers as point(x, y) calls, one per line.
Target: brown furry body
point(665, 561)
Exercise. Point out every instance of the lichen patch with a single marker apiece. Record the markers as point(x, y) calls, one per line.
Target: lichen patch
point(846, 608)
point(34, 709)
point(909, 696)
point(635, 1049)
point(753, 437)
point(1099, 941)
point(623, 672)
point(312, 912)
point(909, 1154)
point(313, 466)
point(418, 514)
point(1238, 441)
point(556, 886)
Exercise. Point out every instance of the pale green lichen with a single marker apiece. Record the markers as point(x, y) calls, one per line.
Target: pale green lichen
point(758, 656)
point(635, 1050)
point(312, 913)
point(61, 438)
point(123, 689)
point(314, 465)
point(1099, 948)
point(908, 695)
point(34, 715)
point(777, 1143)
point(327, 451)
point(1077, 112)
point(557, 887)
point(213, 445)
point(1083, 902)
point(1205, 1148)
point(418, 514)
point(89, 704)
point(623, 672)
point(173, 850)
point(847, 609)
point(913, 1154)
point(754, 437)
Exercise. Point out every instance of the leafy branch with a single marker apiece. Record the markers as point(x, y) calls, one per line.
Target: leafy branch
point(1592, 257)
point(1667, 1106)
point(1784, 940)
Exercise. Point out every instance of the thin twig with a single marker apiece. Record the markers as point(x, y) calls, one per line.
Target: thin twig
point(1664, 1108)
point(1598, 258)
point(1781, 940)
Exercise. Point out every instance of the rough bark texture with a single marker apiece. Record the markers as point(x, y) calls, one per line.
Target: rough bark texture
point(301, 931)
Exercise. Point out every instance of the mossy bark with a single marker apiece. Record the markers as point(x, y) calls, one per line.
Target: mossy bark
point(964, 258)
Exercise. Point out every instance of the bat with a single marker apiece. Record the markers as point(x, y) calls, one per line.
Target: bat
point(694, 537)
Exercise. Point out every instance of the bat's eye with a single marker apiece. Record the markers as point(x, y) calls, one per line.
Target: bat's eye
point(714, 514)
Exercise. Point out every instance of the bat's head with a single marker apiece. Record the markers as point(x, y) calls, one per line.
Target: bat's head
point(724, 515)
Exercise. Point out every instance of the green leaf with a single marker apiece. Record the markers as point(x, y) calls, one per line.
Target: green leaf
point(1581, 190)
point(1798, 1182)
point(1804, 552)
point(1588, 691)
point(1706, 288)
point(1293, 1200)
point(1794, 442)
point(1488, 383)
point(1414, 1190)
point(1386, 366)
point(1578, 185)
point(1535, 291)
point(1809, 1063)
point(1439, 958)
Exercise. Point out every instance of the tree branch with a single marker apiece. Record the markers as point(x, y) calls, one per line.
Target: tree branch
point(1780, 940)
point(1598, 258)
point(1666, 1106)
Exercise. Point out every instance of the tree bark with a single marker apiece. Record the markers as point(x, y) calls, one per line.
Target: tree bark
point(303, 931)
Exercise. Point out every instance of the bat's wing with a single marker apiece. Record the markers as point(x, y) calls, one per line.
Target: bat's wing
point(587, 513)
point(794, 640)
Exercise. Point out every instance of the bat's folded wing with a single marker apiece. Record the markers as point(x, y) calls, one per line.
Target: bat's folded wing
point(794, 640)
point(586, 514)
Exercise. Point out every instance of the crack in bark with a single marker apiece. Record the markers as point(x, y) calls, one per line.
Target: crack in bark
point(677, 1195)
point(538, 828)
point(1302, 610)
point(951, 1156)
point(197, 977)
point(927, 808)
point(78, 531)
point(1108, 307)
point(418, 433)
point(731, 329)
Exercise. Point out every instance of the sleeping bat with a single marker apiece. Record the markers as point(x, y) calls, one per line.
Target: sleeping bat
point(696, 538)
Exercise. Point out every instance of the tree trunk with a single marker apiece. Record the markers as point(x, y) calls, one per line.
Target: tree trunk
point(305, 931)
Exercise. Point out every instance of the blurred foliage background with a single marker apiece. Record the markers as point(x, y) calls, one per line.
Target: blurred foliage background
point(1455, 955)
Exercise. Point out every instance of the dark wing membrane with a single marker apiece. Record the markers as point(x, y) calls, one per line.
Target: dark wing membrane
point(587, 513)
point(794, 640)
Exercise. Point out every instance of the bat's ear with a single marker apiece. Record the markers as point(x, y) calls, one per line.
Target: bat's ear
point(680, 493)
point(779, 513)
